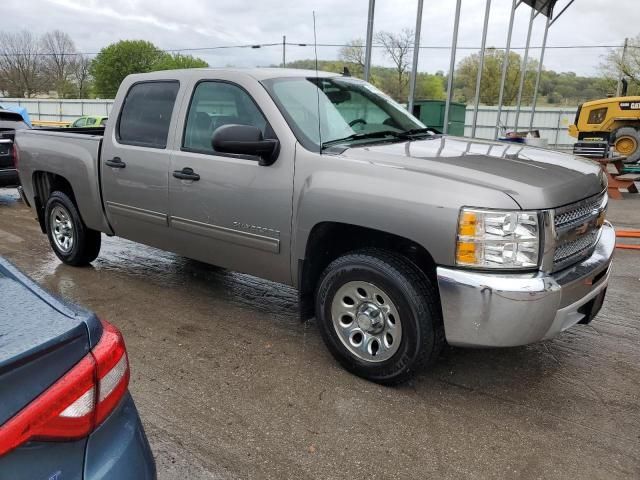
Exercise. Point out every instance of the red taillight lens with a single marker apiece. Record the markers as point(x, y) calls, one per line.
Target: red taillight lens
point(112, 371)
point(79, 401)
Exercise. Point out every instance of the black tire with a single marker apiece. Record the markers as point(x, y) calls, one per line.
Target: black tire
point(86, 242)
point(632, 134)
point(416, 301)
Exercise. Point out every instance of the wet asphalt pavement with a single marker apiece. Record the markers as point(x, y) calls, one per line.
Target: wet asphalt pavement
point(230, 384)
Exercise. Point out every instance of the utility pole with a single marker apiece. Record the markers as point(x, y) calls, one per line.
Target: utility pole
point(505, 66)
point(369, 46)
point(624, 57)
point(416, 54)
point(284, 49)
point(534, 101)
point(523, 73)
point(476, 103)
point(452, 67)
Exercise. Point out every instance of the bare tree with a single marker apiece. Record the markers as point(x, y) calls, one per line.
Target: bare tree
point(59, 61)
point(81, 76)
point(354, 53)
point(398, 48)
point(21, 64)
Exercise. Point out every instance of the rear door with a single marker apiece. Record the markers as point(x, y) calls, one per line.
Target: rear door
point(237, 214)
point(135, 161)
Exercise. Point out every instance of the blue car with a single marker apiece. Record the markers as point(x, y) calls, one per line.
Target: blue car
point(65, 409)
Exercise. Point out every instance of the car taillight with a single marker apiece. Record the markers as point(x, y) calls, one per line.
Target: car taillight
point(78, 402)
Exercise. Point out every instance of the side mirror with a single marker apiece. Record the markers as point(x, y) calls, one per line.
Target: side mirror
point(245, 140)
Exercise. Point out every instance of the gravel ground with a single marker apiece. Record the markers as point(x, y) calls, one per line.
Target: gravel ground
point(230, 384)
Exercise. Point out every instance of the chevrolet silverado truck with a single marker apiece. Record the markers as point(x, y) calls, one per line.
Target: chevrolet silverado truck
point(397, 238)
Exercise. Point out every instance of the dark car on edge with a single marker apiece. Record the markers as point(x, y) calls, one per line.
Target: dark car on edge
point(9, 123)
point(65, 409)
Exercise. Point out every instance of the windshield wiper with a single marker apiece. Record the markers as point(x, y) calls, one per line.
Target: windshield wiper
point(364, 136)
point(421, 131)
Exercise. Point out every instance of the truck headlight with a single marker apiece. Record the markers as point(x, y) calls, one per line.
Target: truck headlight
point(498, 239)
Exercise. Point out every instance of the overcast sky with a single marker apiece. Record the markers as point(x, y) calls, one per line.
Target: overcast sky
point(173, 24)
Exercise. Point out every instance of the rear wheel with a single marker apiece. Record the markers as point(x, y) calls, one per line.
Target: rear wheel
point(379, 315)
point(71, 240)
point(626, 141)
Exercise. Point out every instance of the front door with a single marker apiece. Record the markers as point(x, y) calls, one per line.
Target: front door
point(135, 161)
point(227, 209)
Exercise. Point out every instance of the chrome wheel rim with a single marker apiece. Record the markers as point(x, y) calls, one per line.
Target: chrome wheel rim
point(62, 229)
point(367, 321)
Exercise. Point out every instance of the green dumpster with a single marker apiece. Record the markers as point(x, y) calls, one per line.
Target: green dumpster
point(431, 113)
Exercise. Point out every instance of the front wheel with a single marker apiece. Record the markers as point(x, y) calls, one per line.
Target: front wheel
point(71, 240)
point(626, 141)
point(379, 315)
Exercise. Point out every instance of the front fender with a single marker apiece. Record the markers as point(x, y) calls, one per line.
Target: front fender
point(419, 207)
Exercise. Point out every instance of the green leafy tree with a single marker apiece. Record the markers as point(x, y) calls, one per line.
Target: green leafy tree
point(125, 57)
point(120, 59)
point(179, 61)
point(467, 71)
point(430, 87)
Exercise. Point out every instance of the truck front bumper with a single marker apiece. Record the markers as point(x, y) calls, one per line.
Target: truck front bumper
point(505, 310)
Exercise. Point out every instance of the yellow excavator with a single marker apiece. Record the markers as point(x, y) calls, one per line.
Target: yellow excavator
point(609, 122)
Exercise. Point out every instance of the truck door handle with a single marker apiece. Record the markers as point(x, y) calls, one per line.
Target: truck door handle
point(115, 162)
point(186, 174)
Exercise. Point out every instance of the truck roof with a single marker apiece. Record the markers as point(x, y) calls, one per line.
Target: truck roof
point(256, 73)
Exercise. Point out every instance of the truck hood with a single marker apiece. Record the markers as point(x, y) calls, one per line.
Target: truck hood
point(535, 178)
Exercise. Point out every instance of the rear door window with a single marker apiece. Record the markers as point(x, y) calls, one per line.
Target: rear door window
point(146, 114)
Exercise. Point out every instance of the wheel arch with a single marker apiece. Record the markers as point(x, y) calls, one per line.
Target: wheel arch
point(329, 240)
point(89, 207)
point(44, 183)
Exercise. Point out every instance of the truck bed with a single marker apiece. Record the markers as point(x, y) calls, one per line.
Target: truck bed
point(73, 154)
point(94, 131)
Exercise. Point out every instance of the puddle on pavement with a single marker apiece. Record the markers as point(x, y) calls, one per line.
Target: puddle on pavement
point(136, 261)
point(9, 196)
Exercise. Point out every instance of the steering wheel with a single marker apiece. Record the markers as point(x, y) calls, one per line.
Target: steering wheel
point(355, 122)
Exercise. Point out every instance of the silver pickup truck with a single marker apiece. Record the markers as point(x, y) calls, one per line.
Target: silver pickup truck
point(397, 238)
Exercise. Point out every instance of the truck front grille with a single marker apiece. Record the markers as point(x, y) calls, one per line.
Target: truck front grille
point(577, 213)
point(575, 248)
point(577, 229)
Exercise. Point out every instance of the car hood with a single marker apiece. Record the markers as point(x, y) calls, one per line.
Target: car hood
point(535, 178)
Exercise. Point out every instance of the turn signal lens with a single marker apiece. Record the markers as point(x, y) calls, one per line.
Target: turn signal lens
point(466, 253)
point(498, 239)
point(468, 222)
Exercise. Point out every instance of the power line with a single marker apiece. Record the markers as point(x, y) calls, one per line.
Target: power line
point(332, 45)
point(448, 47)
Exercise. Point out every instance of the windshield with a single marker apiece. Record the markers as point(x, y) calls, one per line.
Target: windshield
point(348, 107)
